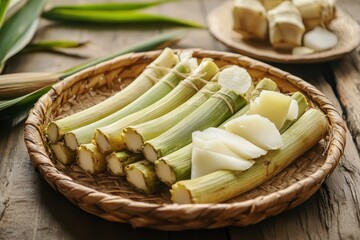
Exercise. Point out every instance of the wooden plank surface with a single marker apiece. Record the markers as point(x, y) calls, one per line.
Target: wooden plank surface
point(31, 209)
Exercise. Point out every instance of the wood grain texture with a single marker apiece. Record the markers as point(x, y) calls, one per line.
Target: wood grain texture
point(31, 209)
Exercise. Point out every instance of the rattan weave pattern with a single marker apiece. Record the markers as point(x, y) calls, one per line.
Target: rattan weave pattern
point(114, 200)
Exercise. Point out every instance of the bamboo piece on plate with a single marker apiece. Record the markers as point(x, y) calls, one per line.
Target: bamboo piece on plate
point(134, 136)
point(141, 175)
point(108, 138)
point(286, 28)
point(56, 129)
point(117, 161)
point(84, 134)
point(222, 185)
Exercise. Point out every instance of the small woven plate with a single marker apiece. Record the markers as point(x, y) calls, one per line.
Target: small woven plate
point(220, 25)
point(113, 199)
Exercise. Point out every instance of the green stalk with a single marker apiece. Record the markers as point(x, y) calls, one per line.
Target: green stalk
point(213, 112)
point(134, 136)
point(18, 105)
point(141, 175)
point(114, 17)
point(117, 161)
point(90, 159)
point(62, 153)
point(109, 138)
point(56, 129)
point(84, 134)
point(53, 45)
point(224, 184)
point(113, 6)
point(176, 166)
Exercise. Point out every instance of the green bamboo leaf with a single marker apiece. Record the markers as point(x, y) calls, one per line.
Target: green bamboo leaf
point(114, 6)
point(114, 17)
point(16, 31)
point(3, 9)
point(51, 45)
point(17, 105)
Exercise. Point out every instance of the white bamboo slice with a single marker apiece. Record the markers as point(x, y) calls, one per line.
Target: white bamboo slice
point(293, 110)
point(320, 39)
point(205, 162)
point(242, 147)
point(235, 78)
point(257, 130)
point(272, 105)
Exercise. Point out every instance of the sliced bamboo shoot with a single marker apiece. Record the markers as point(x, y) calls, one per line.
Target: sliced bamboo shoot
point(320, 39)
point(250, 19)
point(272, 105)
point(205, 161)
point(302, 51)
point(257, 130)
point(237, 79)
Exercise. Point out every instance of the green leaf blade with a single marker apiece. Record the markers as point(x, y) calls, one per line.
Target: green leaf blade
point(114, 6)
point(114, 17)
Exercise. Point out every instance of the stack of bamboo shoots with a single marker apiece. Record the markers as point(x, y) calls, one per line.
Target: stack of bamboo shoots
point(191, 126)
point(299, 25)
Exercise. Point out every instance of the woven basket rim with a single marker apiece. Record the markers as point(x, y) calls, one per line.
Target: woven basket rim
point(64, 184)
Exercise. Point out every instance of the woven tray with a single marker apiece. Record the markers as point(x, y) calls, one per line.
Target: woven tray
point(220, 26)
point(112, 199)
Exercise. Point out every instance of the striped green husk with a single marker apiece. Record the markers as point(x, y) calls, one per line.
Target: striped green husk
point(211, 113)
point(140, 85)
point(109, 138)
point(159, 90)
point(155, 127)
point(225, 184)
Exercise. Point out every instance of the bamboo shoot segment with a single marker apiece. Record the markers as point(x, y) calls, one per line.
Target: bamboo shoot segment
point(205, 161)
point(235, 78)
point(90, 159)
point(142, 176)
point(286, 28)
point(62, 153)
point(320, 39)
point(272, 105)
point(315, 12)
point(117, 161)
point(293, 110)
point(257, 130)
point(250, 19)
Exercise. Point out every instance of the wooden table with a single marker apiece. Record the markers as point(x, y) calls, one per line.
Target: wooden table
point(31, 209)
